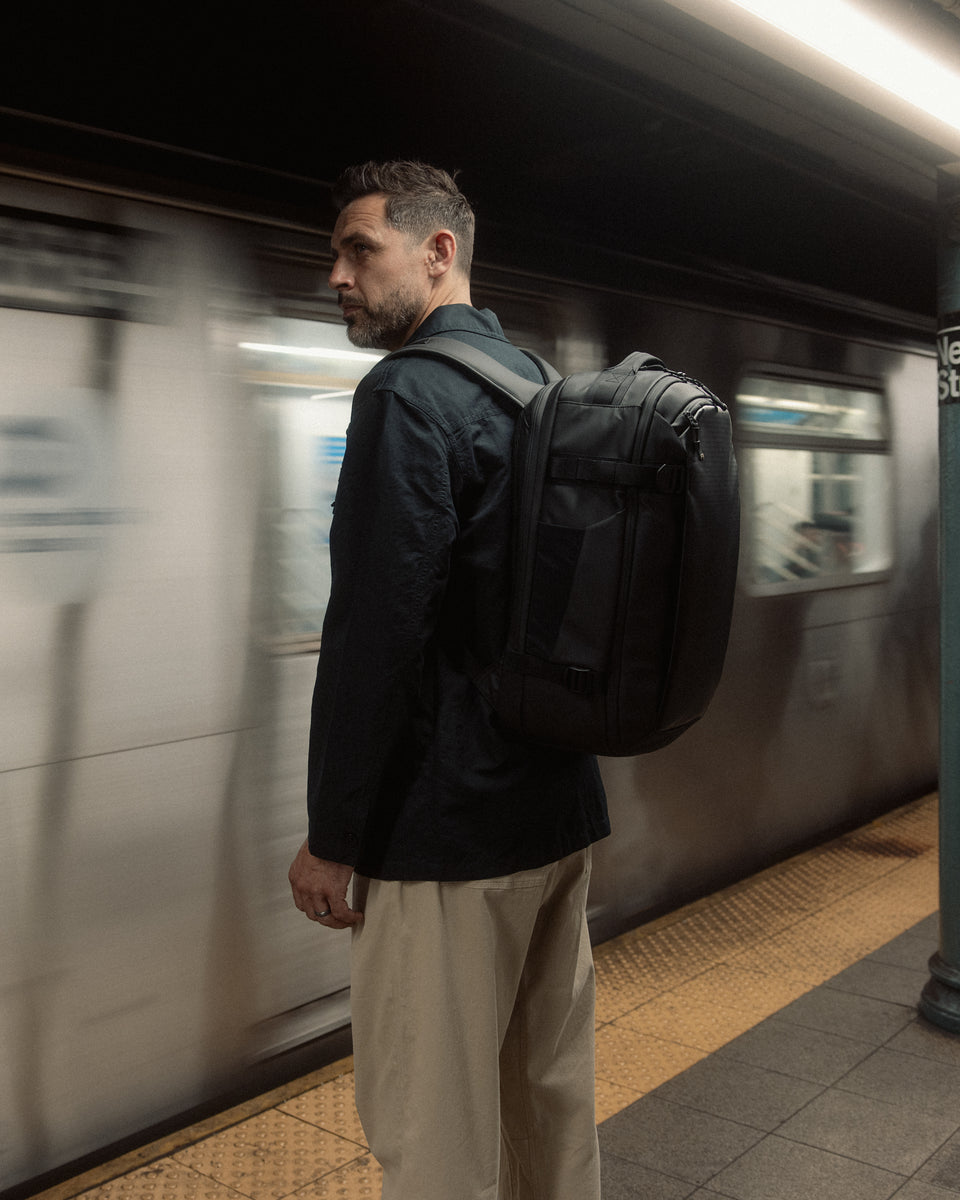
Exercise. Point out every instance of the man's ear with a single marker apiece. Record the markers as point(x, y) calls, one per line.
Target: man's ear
point(442, 253)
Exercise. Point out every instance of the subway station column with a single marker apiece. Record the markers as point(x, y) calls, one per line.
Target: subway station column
point(940, 1000)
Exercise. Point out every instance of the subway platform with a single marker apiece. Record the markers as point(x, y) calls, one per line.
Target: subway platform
point(760, 1044)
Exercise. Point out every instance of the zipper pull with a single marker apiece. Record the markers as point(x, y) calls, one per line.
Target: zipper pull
point(695, 426)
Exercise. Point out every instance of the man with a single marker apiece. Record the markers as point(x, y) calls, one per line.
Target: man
point(472, 977)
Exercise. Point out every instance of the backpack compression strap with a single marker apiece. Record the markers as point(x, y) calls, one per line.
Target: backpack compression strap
point(478, 363)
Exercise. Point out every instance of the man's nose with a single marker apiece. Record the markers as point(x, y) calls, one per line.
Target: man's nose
point(340, 278)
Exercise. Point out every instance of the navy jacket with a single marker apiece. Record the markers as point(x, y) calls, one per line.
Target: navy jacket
point(409, 775)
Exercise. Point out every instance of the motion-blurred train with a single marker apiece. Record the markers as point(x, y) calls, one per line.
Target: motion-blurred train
point(173, 404)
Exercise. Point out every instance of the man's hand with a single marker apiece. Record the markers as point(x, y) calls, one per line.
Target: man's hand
point(320, 890)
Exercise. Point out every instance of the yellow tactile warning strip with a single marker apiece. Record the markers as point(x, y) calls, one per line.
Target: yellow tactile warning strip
point(668, 994)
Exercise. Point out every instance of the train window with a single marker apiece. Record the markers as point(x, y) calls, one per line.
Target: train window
point(303, 374)
point(817, 481)
point(790, 408)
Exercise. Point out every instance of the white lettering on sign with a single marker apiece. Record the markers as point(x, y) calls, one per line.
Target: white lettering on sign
point(948, 360)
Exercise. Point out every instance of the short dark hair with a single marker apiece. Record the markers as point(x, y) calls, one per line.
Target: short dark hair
point(420, 200)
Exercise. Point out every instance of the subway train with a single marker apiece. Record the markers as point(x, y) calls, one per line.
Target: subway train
point(173, 407)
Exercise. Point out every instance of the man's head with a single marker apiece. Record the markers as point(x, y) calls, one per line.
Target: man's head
point(403, 241)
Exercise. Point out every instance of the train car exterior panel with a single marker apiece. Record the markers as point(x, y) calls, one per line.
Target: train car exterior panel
point(128, 536)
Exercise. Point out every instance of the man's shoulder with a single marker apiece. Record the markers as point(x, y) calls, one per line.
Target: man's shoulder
point(429, 381)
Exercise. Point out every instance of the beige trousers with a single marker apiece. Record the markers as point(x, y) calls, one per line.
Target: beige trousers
point(473, 1027)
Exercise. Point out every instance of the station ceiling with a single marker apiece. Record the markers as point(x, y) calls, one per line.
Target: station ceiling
point(605, 131)
point(720, 54)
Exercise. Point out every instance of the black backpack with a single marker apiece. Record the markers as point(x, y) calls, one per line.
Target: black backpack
point(627, 532)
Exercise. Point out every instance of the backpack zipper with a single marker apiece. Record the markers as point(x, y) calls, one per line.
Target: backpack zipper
point(695, 426)
point(693, 423)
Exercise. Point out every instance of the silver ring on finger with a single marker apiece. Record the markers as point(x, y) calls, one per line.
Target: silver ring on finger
point(321, 915)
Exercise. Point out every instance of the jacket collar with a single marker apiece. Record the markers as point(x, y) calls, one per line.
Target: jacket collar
point(462, 318)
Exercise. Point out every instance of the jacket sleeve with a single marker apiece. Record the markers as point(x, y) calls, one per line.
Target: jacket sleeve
point(393, 528)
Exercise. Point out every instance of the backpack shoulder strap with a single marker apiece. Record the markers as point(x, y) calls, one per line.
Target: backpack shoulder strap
point(488, 369)
point(550, 373)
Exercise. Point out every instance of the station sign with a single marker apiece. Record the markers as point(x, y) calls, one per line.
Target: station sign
point(948, 363)
point(55, 263)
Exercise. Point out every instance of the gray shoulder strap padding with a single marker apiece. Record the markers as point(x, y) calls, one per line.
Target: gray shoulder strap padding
point(481, 364)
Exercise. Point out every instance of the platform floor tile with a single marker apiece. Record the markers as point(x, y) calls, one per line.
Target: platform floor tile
point(776, 1169)
point(896, 1137)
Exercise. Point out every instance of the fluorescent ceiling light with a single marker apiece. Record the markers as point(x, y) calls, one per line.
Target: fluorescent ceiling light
point(312, 352)
point(875, 51)
point(855, 48)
